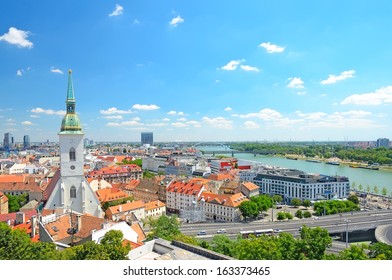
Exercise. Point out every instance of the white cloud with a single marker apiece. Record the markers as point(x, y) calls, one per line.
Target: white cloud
point(228, 109)
point(264, 114)
point(311, 116)
point(272, 48)
point(175, 21)
point(249, 68)
point(27, 123)
point(125, 123)
point(175, 113)
point(251, 125)
point(179, 124)
point(114, 110)
point(117, 11)
point(166, 120)
point(181, 119)
point(301, 92)
point(34, 116)
point(232, 65)
point(157, 124)
point(295, 83)
point(48, 111)
point(113, 117)
point(17, 37)
point(194, 123)
point(145, 107)
point(218, 122)
point(19, 72)
point(380, 96)
point(56, 70)
point(136, 21)
point(342, 76)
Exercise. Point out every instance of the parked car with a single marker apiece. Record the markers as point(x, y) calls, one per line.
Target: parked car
point(221, 231)
point(202, 232)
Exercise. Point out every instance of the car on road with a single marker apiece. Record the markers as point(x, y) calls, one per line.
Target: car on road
point(277, 230)
point(221, 231)
point(202, 232)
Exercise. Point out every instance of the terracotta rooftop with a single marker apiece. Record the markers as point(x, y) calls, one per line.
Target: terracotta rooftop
point(129, 206)
point(220, 177)
point(3, 198)
point(185, 187)
point(141, 236)
point(250, 186)
point(13, 178)
point(223, 199)
point(110, 194)
point(154, 204)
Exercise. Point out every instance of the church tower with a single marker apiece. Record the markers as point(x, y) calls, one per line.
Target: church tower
point(72, 191)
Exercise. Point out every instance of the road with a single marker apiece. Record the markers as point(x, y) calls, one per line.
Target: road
point(333, 223)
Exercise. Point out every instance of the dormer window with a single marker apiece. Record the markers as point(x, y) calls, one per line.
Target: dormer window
point(72, 192)
point(72, 154)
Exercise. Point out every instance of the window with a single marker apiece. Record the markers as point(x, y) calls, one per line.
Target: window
point(72, 154)
point(72, 192)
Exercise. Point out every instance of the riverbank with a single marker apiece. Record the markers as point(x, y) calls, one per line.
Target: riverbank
point(338, 161)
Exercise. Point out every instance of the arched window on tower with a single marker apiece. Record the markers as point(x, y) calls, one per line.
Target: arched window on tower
point(72, 192)
point(72, 154)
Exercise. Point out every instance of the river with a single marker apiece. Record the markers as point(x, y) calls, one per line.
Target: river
point(365, 177)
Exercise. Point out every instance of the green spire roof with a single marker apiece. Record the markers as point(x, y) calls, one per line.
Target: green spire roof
point(71, 123)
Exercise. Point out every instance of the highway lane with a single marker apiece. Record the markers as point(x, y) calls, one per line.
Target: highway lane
point(333, 223)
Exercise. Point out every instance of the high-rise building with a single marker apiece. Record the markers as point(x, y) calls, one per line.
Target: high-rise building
point(26, 142)
point(72, 191)
point(382, 142)
point(8, 142)
point(147, 138)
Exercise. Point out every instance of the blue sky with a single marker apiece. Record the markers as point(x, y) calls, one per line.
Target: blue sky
point(198, 70)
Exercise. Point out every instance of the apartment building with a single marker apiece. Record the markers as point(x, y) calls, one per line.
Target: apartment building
point(291, 183)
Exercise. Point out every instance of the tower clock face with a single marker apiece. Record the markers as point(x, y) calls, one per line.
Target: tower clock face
point(72, 167)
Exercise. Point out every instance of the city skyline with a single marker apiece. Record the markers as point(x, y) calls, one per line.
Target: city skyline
point(198, 71)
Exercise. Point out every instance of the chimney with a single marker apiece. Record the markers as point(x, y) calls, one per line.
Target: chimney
point(79, 222)
point(20, 218)
point(33, 223)
point(119, 208)
point(8, 222)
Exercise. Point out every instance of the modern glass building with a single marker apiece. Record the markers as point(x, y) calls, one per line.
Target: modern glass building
point(147, 138)
point(26, 142)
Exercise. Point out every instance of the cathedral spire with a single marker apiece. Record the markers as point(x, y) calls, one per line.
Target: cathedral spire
point(70, 92)
point(71, 123)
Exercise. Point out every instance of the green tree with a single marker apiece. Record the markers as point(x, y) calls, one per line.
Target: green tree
point(289, 216)
point(353, 198)
point(277, 198)
point(261, 248)
point(375, 189)
point(165, 227)
point(384, 191)
point(223, 245)
point(296, 202)
point(353, 185)
point(306, 203)
point(307, 214)
point(313, 243)
point(249, 209)
point(380, 251)
point(368, 189)
point(281, 216)
point(360, 187)
point(354, 253)
point(15, 202)
point(112, 244)
point(287, 245)
point(299, 214)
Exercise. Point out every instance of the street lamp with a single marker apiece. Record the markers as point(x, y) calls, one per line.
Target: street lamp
point(347, 221)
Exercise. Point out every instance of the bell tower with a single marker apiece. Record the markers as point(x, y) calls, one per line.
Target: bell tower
point(72, 190)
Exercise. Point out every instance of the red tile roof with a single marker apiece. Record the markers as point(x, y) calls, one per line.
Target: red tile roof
point(110, 194)
point(183, 187)
point(227, 200)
